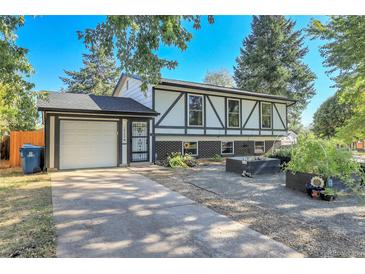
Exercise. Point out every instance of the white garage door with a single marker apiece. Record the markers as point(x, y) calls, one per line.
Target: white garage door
point(86, 144)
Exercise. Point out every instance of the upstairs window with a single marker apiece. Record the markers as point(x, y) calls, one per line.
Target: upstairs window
point(266, 115)
point(195, 109)
point(233, 107)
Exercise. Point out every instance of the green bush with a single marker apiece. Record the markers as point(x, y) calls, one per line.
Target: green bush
point(217, 158)
point(314, 155)
point(280, 153)
point(175, 159)
point(283, 154)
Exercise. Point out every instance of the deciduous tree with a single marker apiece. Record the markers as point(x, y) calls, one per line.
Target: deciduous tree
point(345, 58)
point(17, 101)
point(332, 114)
point(220, 77)
point(137, 40)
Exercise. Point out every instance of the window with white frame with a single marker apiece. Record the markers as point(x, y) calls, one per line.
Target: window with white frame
point(195, 109)
point(266, 115)
point(227, 147)
point(233, 108)
point(259, 147)
point(190, 148)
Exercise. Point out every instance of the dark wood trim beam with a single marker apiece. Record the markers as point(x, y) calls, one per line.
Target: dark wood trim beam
point(249, 115)
point(215, 111)
point(169, 109)
point(281, 119)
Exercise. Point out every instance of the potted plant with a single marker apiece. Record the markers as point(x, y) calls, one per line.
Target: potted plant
point(315, 186)
point(328, 194)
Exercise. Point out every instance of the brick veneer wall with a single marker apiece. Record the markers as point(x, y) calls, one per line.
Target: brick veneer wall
point(243, 148)
point(268, 145)
point(164, 148)
point(207, 149)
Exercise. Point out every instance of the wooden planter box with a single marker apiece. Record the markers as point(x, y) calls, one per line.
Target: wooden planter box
point(298, 180)
point(253, 166)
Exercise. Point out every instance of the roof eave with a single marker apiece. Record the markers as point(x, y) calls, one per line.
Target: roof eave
point(228, 90)
point(136, 113)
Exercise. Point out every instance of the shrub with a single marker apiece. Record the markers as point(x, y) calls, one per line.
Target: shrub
point(283, 154)
point(189, 160)
point(217, 158)
point(322, 157)
point(175, 159)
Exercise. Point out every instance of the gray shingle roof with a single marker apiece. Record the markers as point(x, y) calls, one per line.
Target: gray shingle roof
point(172, 82)
point(67, 102)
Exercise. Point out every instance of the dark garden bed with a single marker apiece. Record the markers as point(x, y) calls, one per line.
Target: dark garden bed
point(302, 182)
point(298, 180)
point(253, 165)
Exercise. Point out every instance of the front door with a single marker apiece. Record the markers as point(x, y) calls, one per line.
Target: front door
point(139, 141)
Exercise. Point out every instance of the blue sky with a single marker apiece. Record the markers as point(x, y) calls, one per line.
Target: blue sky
point(53, 46)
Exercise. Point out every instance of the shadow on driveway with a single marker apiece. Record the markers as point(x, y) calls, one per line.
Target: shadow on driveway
point(118, 213)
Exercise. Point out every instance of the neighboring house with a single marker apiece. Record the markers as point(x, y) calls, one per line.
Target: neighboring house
point(359, 145)
point(174, 116)
point(290, 139)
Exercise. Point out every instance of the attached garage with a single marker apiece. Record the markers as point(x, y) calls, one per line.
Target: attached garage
point(89, 131)
point(88, 144)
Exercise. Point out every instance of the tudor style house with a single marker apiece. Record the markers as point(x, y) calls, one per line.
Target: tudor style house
point(205, 120)
point(131, 126)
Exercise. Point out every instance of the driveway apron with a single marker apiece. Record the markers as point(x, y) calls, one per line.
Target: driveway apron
point(119, 213)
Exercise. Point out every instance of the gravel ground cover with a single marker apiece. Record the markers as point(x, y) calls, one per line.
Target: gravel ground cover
point(312, 227)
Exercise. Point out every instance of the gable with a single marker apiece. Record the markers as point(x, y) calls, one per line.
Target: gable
point(131, 87)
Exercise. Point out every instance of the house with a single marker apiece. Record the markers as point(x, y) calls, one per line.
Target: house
point(84, 131)
point(359, 145)
point(289, 139)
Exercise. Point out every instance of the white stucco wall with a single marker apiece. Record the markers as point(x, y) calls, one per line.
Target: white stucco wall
point(132, 89)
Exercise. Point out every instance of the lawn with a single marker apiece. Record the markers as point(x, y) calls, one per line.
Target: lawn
point(26, 221)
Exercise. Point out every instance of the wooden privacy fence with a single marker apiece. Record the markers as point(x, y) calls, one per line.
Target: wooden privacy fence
point(360, 145)
point(19, 138)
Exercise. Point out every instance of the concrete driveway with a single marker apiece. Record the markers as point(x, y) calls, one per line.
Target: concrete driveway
point(119, 213)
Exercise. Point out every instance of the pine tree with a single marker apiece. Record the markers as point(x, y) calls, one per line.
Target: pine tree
point(98, 75)
point(271, 61)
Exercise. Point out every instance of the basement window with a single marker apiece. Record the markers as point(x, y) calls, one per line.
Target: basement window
point(190, 148)
point(227, 148)
point(259, 147)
